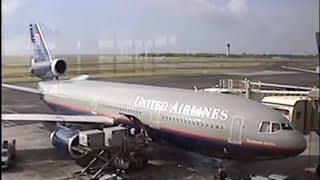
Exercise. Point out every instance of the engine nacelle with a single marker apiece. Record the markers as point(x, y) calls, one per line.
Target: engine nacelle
point(46, 68)
point(63, 139)
point(58, 67)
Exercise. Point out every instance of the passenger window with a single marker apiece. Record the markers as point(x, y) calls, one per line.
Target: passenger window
point(286, 126)
point(275, 127)
point(265, 127)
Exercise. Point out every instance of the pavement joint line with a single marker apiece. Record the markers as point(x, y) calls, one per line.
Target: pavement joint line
point(8, 124)
point(11, 111)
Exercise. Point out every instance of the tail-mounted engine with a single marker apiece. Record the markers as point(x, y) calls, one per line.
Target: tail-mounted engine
point(58, 67)
point(64, 139)
point(41, 69)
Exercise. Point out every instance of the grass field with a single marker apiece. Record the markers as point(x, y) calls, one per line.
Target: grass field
point(17, 69)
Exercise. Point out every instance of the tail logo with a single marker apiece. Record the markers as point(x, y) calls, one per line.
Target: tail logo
point(37, 39)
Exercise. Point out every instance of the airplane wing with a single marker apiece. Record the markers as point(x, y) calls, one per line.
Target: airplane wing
point(36, 91)
point(21, 88)
point(57, 118)
point(300, 69)
point(81, 77)
point(282, 86)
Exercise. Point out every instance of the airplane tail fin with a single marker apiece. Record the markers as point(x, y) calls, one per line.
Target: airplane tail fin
point(41, 50)
point(43, 65)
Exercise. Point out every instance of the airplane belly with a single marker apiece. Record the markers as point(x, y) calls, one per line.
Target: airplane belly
point(188, 142)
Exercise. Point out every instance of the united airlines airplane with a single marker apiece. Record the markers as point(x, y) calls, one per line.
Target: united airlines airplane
point(216, 125)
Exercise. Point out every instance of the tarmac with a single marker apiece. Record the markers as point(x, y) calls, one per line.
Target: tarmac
point(37, 159)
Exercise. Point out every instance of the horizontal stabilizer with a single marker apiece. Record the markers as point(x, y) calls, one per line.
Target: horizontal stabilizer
point(21, 88)
point(58, 118)
point(81, 77)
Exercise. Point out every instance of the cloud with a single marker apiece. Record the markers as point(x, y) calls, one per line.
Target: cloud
point(17, 45)
point(10, 7)
point(202, 11)
point(237, 7)
point(49, 29)
point(198, 25)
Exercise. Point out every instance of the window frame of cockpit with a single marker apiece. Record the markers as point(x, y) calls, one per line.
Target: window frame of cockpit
point(280, 128)
point(291, 125)
point(270, 127)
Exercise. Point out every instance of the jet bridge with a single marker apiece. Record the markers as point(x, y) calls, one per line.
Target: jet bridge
point(111, 148)
point(299, 104)
point(254, 90)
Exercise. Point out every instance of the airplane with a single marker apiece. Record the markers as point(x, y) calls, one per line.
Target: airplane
point(212, 124)
point(317, 70)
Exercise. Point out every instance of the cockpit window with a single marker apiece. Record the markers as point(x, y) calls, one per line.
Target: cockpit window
point(265, 127)
point(286, 126)
point(275, 127)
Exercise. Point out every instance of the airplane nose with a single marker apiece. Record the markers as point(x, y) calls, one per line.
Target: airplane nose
point(299, 143)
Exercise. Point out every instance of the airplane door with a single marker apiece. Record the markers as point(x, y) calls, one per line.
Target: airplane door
point(236, 130)
point(94, 105)
point(154, 119)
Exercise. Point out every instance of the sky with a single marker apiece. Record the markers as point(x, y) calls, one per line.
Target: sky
point(177, 26)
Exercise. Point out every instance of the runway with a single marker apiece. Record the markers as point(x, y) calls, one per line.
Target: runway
point(37, 159)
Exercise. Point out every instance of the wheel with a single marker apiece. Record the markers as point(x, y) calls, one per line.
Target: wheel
point(318, 170)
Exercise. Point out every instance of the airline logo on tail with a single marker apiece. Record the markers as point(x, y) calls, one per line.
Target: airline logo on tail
point(41, 50)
